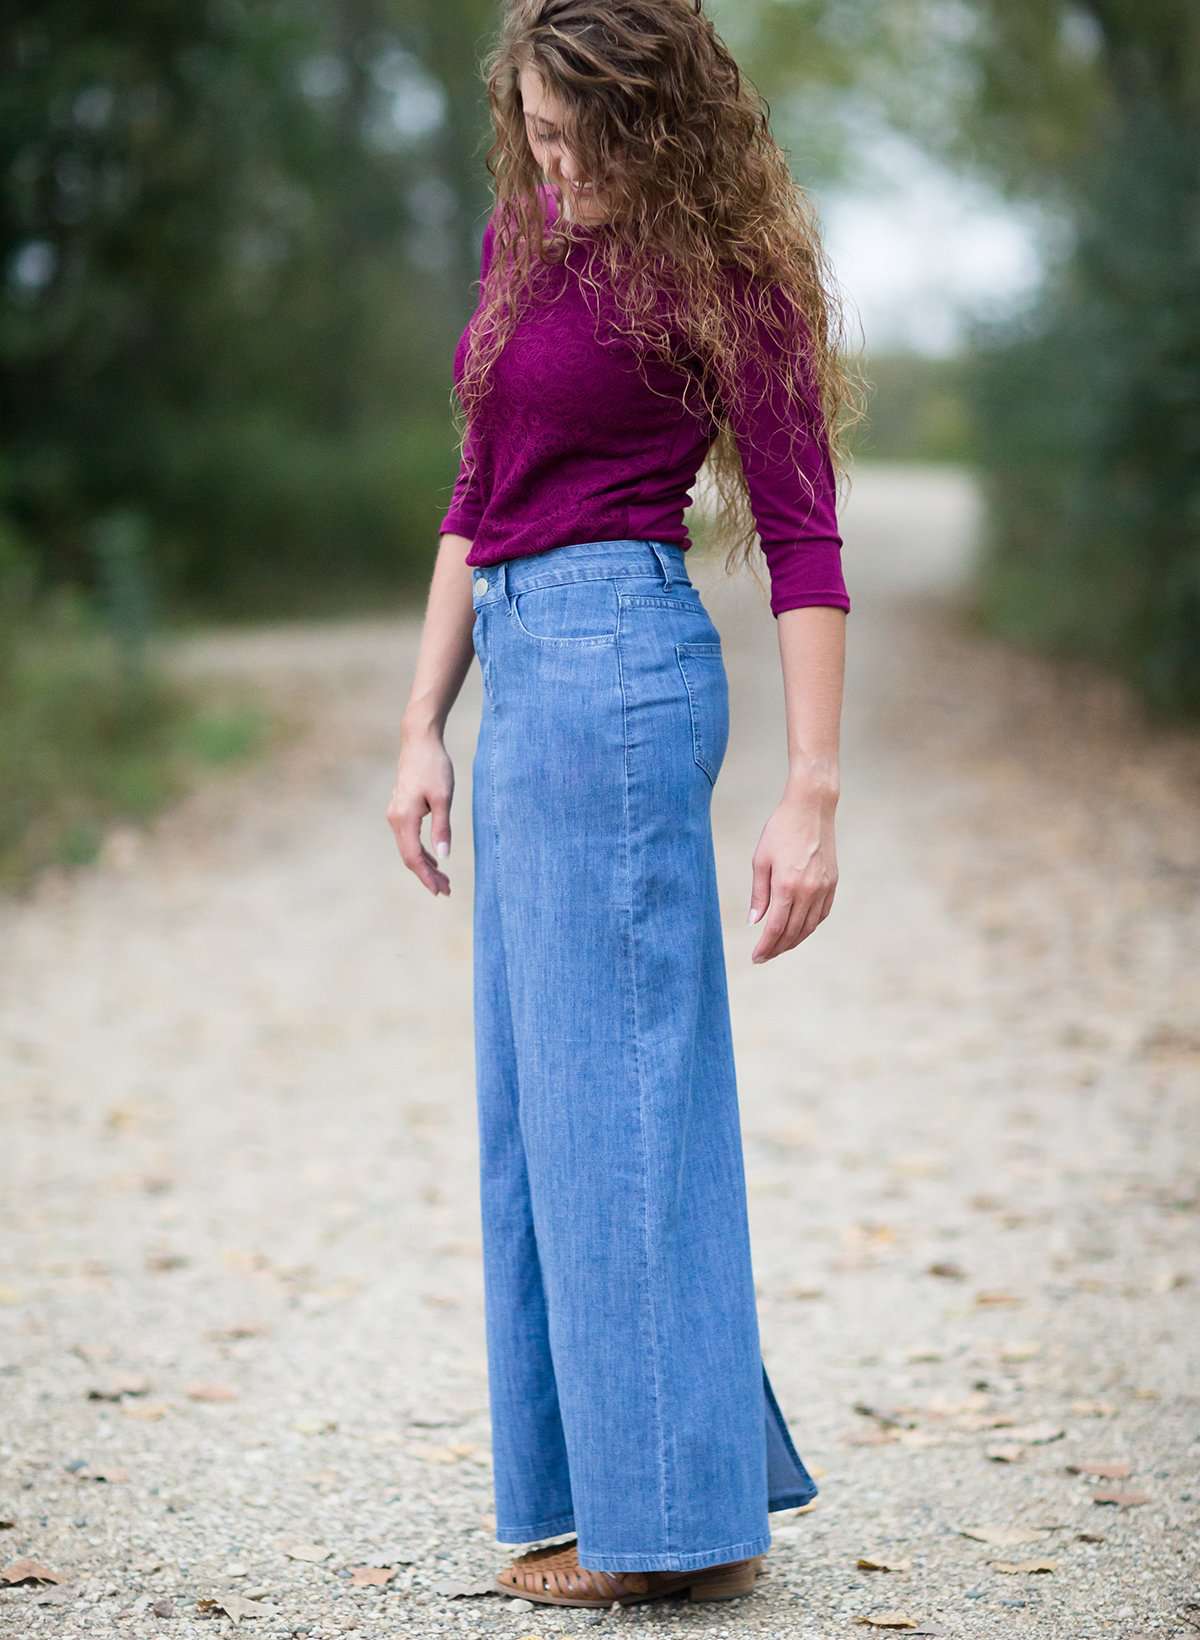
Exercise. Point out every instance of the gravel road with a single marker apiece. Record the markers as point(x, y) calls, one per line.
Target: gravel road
point(241, 1342)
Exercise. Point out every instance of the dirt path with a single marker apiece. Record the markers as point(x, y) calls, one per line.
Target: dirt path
point(239, 1159)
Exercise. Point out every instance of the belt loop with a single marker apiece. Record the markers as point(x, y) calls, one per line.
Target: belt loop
point(664, 563)
point(502, 582)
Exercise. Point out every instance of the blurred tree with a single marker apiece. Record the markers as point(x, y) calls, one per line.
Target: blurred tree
point(205, 232)
point(1087, 403)
point(451, 41)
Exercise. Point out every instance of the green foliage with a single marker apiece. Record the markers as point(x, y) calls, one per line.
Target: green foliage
point(1089, 416)
point(233, 280)
point(92, 730)
point(120, 542)
point(209, 357)
point(918, 410)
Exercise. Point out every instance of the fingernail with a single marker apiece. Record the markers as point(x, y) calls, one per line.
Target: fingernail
point(443, 848)
point(753, 915)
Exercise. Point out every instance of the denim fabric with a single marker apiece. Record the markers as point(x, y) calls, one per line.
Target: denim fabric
point(629, 1399)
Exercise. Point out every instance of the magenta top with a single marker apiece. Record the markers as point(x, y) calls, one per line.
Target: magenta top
point(571, 446)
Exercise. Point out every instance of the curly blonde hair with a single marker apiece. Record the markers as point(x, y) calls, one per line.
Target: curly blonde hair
point(702, 205)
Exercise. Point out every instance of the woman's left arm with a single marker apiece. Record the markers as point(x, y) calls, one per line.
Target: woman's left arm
point(795, 863)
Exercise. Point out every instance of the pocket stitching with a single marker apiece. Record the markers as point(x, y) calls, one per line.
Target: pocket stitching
point(683, 650)
point(570, 643)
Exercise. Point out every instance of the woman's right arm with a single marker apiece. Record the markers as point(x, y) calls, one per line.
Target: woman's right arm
point(424, 774)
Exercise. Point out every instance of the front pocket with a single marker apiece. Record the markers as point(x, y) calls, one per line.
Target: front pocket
point(703, 667)
point(580, 611)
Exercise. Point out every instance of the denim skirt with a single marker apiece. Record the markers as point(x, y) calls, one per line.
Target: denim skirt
point(628, 1396)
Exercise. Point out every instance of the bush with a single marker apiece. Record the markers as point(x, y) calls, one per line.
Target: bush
point(1088, 417)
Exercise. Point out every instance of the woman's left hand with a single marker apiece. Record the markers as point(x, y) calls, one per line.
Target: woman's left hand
point(794, 872)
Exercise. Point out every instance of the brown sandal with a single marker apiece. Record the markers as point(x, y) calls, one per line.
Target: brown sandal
point(553, 1575)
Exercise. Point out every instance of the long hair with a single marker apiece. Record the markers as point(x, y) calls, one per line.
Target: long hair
point(701, 205)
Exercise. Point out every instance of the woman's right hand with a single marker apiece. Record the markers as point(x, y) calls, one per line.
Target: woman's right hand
point(424, 785)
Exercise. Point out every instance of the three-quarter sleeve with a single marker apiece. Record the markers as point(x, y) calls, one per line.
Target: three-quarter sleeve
point(467, 499)
point(784, 450)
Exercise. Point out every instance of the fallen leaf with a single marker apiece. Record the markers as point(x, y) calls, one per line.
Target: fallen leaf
point(994, 1297)
point(313, 1424)
point(1004, 1454)
point(362, 1577)
point(149, 1411)
point(1165, 1281)
point(29, 1571)
point(889, 1620)
point(1020, 1351)
point(119, 1387)
point(1001, 1536)
point(307, 1551)
point(239, 1329)
point(919, 1164)
point(1033, 1434)
point(947, 1268)
point(894, 1419)
point(1121, 1499)
point(453, 1590)
point(326, 1479)
point(57, 1594)
point(1115, 1471)
point(210, 1392)
point(114, 1474)
point(941, 1406)
point(233, 1605)
point(1025, 1565)
point(433, 1454)
point(875, 1563)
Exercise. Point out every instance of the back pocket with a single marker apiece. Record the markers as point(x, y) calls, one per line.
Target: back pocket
point(703, 667)
point(582, 611)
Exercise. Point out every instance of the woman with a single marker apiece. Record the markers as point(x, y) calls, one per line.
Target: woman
point(652, 292)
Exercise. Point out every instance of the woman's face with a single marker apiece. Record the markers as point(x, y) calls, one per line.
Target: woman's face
point(544, 129)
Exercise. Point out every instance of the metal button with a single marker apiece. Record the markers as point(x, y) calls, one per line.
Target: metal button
point(481, 586)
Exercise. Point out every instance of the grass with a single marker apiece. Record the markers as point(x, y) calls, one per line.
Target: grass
point(92, 736)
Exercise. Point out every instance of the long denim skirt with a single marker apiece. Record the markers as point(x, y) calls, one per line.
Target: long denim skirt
point(628, 1396)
